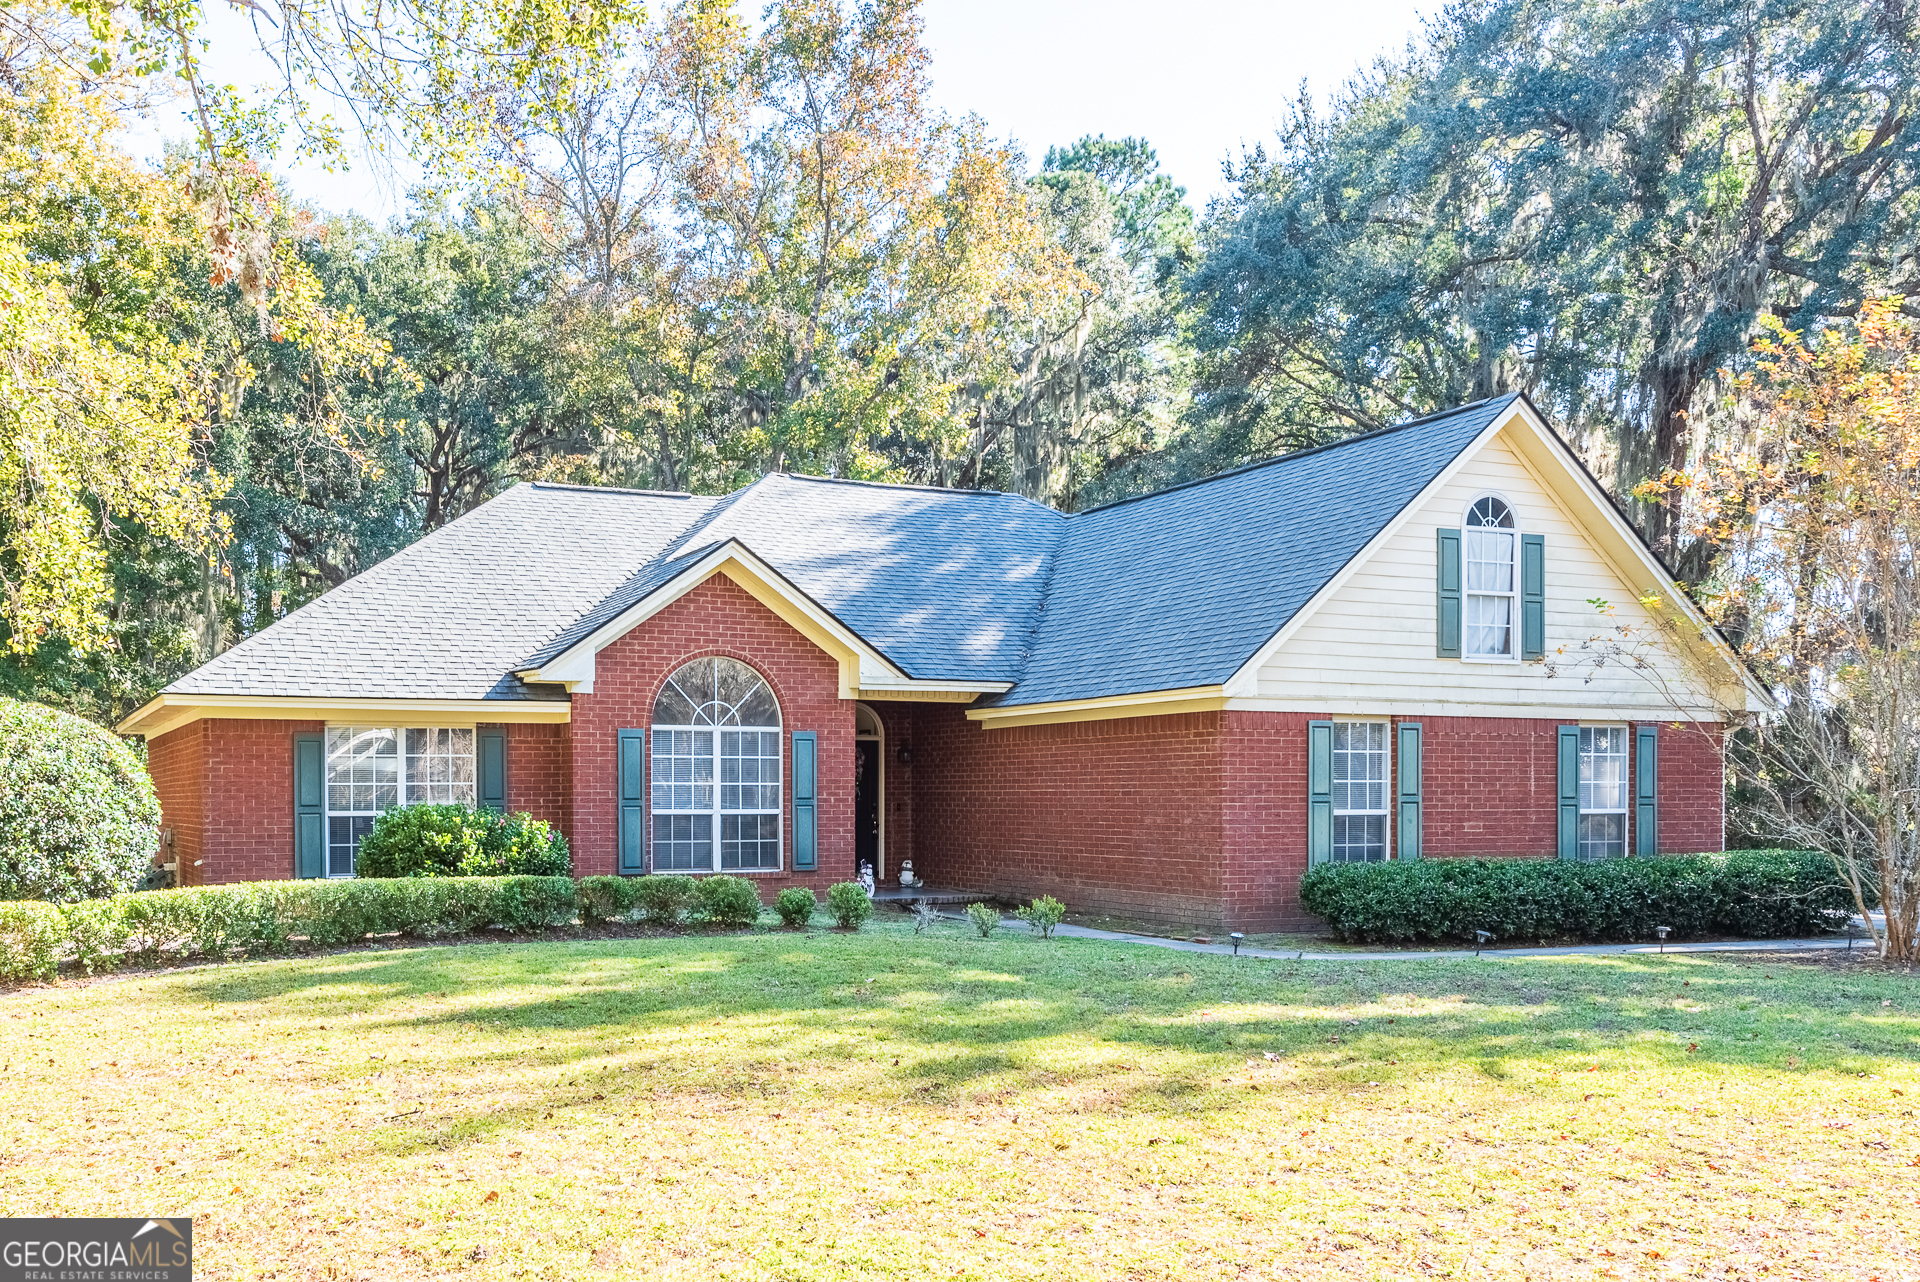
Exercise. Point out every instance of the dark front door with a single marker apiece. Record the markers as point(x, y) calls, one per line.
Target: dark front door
point(866, 804)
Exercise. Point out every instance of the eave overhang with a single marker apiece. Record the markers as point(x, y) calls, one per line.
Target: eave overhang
point(168, 712)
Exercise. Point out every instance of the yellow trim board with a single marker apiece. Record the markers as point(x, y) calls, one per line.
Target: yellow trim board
point(1157, 703)
point(169, 712)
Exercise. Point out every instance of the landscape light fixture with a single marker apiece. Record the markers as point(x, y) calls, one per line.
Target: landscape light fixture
point(1480, 938)
point(1662, 932)
point(1237, 939)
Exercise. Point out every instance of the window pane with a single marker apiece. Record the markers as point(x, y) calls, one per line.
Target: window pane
point(749, 842)
point(363, 779)
point(1359, 838)
point(1602, 837)
point(1603, 768)
point(1359, 766)
point(683, 843)
point(1489, 561)
point(1490, 625)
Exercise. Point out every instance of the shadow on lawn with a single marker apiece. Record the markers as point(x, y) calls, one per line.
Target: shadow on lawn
point(946, 1021)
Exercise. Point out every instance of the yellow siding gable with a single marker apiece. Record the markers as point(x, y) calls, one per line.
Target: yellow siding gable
point(1368, 647)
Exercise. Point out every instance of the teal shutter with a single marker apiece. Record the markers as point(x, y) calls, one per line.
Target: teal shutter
point(1319, 791)
point(1569, 826)
point(1407, 835)
point(309, 805)
point(1447, 644)
point(1533, 596)
point(806, 810)
point(1646, 790)
point(633, 802)
point(493, 770)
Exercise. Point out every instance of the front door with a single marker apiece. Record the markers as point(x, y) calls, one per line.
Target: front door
point(866, 806)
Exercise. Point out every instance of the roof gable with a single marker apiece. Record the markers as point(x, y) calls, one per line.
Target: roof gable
point(1178, 589)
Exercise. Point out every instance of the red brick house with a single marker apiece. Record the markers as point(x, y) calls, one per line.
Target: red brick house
point(1166, 707)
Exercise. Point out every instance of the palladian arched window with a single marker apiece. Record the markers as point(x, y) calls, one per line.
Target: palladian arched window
point(716, 770)
point(1492, 580)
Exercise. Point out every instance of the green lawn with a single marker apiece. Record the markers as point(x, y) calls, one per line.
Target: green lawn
point(882, 1105)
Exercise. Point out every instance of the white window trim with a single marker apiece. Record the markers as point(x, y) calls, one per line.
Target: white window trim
point(1626, 788)
point(1466, 595)
point(1387, 794)
point(399, 733)
point(779, 811)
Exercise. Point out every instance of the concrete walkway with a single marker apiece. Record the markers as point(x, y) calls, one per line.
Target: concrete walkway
point(1462, 954)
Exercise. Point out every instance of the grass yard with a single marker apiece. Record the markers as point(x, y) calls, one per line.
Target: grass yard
point(887, 1106)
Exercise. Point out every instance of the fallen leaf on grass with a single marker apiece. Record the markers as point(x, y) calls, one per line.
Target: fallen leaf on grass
point(492, 1196)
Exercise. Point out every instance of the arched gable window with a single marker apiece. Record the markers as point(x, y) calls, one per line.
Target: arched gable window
point(716, 770)
point(1492, 579)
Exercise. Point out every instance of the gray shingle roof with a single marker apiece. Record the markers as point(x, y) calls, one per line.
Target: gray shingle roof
point(1163, 592)
point(451, 616)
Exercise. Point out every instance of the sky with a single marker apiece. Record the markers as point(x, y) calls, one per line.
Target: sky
point(1198, 79)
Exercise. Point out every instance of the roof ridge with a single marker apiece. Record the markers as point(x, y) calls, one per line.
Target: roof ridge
point(1290, 455)
point(611, 489)
point(883, 485)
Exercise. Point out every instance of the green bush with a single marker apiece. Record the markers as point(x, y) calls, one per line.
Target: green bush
point(32, 937)
point(1753, 894)
point(459, 840)
point(267, 916)
point(850, 904)
point(1042, 915)
point(727, 901)
point(795, 905)
point(78, 814)
point(985, 918)
point(608, 899)
point(666, 899)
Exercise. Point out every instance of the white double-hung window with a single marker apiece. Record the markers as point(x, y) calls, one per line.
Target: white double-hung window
point(716, 770)
point(1488, 556)
point(372, 769)
point(1603, 792)
point(1359, 791)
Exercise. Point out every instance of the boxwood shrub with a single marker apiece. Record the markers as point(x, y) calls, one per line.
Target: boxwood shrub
point(459, 840)
point(1751, 894)
point(727, 901)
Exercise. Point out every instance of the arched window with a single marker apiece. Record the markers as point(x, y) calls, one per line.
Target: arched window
point(1492, 583)
point(716, 767)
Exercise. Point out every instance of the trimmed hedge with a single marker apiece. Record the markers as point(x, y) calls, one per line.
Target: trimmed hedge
point(669, 899)
point(1751, 894)
point(267, 917)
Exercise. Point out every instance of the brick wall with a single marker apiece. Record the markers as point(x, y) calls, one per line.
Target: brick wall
point(716, 618)
point(1489, 787)
point(178, 763)
point(540, 773)
point(1200, 820)
point(1693, 794)
point(1263, 820)
point(226, 789)
point(1118, 816)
